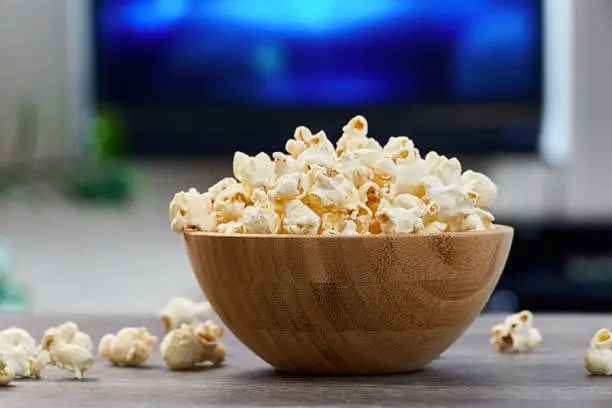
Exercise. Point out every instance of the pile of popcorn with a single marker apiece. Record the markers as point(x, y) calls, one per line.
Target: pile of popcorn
point(356, 187)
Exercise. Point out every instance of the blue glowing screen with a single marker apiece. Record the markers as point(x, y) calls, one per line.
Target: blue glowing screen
point(318, 53)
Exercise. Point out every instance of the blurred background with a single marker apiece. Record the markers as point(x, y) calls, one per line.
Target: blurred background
point(108, 107)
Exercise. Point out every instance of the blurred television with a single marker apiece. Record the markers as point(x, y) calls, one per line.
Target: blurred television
point(213, 76)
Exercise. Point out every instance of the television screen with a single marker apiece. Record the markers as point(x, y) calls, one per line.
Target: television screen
point(317, 55)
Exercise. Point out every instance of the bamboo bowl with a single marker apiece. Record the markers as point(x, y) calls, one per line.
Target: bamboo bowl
point(348, 304)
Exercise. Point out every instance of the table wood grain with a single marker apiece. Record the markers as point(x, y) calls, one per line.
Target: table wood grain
point(469, 374)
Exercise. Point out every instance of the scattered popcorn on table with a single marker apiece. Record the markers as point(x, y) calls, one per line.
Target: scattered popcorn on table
point(598, 358)
point(182, 310)
point(516, 333)
point(13, 359)
point(317, 188)
point(131, 346)
point(188, 346)
point(67, 356)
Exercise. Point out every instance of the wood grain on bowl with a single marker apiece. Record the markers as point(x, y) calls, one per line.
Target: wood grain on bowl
point(349, 304)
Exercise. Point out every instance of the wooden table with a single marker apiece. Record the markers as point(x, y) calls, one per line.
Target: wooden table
point(469, 374)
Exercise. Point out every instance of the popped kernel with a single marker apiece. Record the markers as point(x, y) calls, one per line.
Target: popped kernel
point(401, 147)
point(68, 356)
point(221, 185)
point(253, 172)
point(130, 346)
point(357, 127)
point(300, 219)
point(284, 164)
point(353, 170)
point(516, 333)
point(180, 310)
point(399, 220)
point(231, 202)
point(482, 186)
point(330, 190)
point(598, 359)
point(370, 194)
point(435, 227)
point(187, 346)
point(192, 211)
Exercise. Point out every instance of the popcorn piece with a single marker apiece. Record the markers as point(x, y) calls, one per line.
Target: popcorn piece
point(407, 201)
point(370, 194)
point(399, 220)
point(284, 164)
point(289, 187)
point(19, 337)
point(231, 202)
point(232, 227)
point(598, 359)
point(452, 202)
point(359, 143)
point(357, 127)
point(516, 333)
point(131, 346)
point(408, 173)
point(39, 362)
point(181, 310)
point(480, 220)
point(385, 175)
point(69, 333)
point(330, 191)
point(482, 186)
point(187, 346)
point(260, 219)
point(13, 361)
point(191, 211)
point(353, 170)
point(447, 170)
point(300, 219)
point(368, 157)
point(316, 157)
point(313, 150)
point(401, 147)
point(67, 356)
point(436, 227)
point(253, 172)
point(332, 223)
point(221, 185)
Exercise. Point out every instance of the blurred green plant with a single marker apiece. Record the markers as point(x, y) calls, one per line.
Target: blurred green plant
point(101, 175)
point(13, 296)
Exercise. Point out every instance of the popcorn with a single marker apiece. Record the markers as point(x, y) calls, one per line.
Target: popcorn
point(436, 227)
point(316, 188)
point(482, 186)
point(353, 170)
point(370, 194)
point(400, 147)
point(399, 220)
point(67, 356)
point(357, 127)
point(260, 219)
point(69, 333)
point(221, 185)
point(188, 346)
point(330, 191)
point(191, 211)
point(516, 333)
point(19, 338)
point(66, 333)
point(131, 346)
point(289, 187)
point(284, 164)
point(14, 360)
point(447, 170)
point(253, 172)
point(300, 219)
point(598, 359)
point(180, 311)
point(231, 202)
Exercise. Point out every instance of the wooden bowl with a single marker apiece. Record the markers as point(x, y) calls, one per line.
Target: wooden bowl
point(349, 304)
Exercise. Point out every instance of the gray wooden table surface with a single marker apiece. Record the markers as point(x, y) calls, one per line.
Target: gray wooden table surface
point(468, 374)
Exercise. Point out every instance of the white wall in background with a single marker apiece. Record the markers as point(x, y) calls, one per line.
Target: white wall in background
point(41, 44)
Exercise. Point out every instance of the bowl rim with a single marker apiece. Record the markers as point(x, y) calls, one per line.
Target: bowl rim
point(498, 230)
